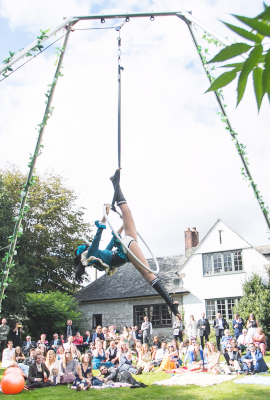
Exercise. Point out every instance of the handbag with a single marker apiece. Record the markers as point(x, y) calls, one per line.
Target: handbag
point(67, 377)
point(176, 331)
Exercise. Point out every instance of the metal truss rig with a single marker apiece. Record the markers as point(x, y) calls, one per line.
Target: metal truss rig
point(67, 24)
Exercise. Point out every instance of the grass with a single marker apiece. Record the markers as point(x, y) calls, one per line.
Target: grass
point(226, 390)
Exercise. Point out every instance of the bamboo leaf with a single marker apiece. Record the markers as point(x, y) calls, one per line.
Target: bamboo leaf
point(266, 74)
point(250, 63)
point(222, 80)
point(242, 32)
point(260, 27)
point(257, 82)
point(237, 66)
point(231, 51)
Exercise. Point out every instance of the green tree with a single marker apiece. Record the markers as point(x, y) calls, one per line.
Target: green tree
point(256, 300)
point(53, 227)
point(49, 312)
point(256, 59)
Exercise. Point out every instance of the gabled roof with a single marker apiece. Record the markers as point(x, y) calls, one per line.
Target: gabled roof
point(264, 250)
point(127, 282)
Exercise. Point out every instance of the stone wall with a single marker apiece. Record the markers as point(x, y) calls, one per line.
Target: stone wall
point(120, 313)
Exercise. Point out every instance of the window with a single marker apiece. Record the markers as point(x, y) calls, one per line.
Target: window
point(220, 263)
point(97, 320)
point(222, 306)
point(159, 314)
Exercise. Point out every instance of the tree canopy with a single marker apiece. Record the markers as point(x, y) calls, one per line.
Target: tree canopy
point(52, 229)
point(256, 300)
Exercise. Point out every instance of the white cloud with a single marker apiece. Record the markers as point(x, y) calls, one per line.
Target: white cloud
point(180, 167)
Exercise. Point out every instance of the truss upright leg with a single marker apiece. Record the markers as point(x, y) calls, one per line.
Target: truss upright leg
point(229, 126)
point(32, 164)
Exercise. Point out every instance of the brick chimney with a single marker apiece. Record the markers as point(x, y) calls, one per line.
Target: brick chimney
point(191, 241)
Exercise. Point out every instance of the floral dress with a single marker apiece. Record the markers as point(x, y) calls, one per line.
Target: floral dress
point(79, 381)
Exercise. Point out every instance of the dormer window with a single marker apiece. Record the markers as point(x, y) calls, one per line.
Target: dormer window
point(222, 263)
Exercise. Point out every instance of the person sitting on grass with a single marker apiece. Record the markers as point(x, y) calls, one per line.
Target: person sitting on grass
point(7, 358)
point(98, 334)
point(76, 354)
point(253, 361)
point(244, 340)
point(52, 363)
point(38, 374)
point(226, 338)
point(60, 353)
point(213, 359)
point(99, 357)
point(67, 345)
point(68, 367)
point(160, 355)
point(233, 359)
point(125, 364)
point(91, 348)
point(156, 342)
point(18, 356)
point(83, 378)
point(113, 374)
point(145, 359)
point(169, 361)
point(77, 340)
point(196, 360)
point(112, 353)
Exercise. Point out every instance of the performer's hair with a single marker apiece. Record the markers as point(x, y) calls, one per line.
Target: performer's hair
point(80, 268)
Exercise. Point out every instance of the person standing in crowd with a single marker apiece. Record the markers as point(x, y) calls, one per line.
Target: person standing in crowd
point(204, 328)
point(4, 330)
point(238, 325)
point(252, 325)
point(220, 324)
point(253, 361)
point(147, 330)
point(70, 329)
point(38, 374)
point(27, 345)
point(16, 335)
point(192, 328)
point(178, 328)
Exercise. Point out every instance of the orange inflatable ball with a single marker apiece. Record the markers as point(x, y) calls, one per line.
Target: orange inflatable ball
point(13, 370)
point(12, 383)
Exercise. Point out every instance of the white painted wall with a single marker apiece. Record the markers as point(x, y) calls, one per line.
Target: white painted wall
point(217, 286)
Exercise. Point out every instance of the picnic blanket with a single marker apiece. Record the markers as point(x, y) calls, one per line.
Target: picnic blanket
point(198, 379)
point(254, 380)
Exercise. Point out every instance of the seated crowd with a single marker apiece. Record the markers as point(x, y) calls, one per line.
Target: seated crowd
point(71, 358)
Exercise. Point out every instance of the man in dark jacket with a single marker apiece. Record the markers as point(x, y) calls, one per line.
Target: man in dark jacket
point(113, 374)
point(31, 359)
point(55, 342)
point(38, 374)
point(27, 345)
point(204, 328)
point(220, 324)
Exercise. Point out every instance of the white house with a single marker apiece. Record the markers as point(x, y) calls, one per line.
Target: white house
point(215, 269)
point(207, 278)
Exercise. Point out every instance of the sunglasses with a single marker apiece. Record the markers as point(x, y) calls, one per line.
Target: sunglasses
point(67, 352)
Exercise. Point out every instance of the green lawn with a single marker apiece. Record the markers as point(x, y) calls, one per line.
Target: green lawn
point(226, 390)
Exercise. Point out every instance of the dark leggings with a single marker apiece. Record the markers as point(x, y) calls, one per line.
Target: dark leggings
point(179, 337)
point(126, 377)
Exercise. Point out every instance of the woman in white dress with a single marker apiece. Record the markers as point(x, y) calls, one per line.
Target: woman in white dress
point(53, 366)
point(192, 328)
point(7, 358)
